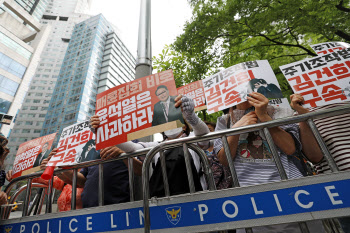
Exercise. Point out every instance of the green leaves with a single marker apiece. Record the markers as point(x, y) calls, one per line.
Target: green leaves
point(223, 33)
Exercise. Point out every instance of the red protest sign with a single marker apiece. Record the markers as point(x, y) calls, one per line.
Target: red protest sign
point(76, 144)
point(30, 155)
point(321, 80)
point(194, 90)
point(136, 109)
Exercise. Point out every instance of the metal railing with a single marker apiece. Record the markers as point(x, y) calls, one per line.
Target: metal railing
point(75, 169)
point(264, 127)
point(186, 143)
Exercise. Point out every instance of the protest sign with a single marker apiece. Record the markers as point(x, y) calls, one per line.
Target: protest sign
point(231, 86)
point(321, 80)
point(194, 90)
point(137, 109)
point(30, 154)
point(329, 47)
point(76, 145)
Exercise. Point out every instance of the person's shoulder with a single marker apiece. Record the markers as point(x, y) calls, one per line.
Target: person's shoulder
point(221, 122)
point(328, 106)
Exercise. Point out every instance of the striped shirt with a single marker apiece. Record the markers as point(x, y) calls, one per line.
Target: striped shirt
point(336, 134)
point(257, 166)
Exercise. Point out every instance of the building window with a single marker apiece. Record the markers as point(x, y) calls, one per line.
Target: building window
point(22, 139)
point(4, 106)
point(33, 108)
point(26, 131)
point(37, 130)
point(11, 66)
point(8, 86)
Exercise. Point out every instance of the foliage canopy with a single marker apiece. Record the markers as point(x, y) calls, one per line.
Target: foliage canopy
point(222, 33)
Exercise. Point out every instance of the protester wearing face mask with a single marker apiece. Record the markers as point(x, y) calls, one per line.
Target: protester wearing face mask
point(176, 168)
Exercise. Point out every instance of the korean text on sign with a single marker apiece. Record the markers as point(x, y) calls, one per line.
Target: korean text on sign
point(329, 47)
point(30, 154)
point(72, 139)
point(194, 90)
point(321, 80)
point(128, 108)
point(231, 86)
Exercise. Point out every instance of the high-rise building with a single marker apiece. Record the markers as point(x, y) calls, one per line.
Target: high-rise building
point(60, 16)
point(95, 60)
point(21, 37)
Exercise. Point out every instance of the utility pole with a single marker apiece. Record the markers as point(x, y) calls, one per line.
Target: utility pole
point(144, 48)
point(143, 68)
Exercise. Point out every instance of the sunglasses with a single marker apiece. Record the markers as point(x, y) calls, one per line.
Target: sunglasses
point(161, 93)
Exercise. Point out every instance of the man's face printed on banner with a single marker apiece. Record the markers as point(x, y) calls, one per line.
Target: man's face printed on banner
point(45, 147)
point(162, 94)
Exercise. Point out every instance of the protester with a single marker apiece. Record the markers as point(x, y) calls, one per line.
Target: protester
point(251, 154)
point(4, 151)
point(176, 169)
point(116, 180)
point(64, 200)
point(211, 127)
point(336, 135)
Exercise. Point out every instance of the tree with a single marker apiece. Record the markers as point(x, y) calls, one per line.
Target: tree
point(223, 33)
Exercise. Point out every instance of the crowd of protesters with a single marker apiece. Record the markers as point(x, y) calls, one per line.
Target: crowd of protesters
point(250, 152)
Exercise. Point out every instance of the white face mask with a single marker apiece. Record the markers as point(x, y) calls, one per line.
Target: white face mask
point(173, 133)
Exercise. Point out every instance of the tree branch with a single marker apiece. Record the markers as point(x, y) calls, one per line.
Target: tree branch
point(309, 52)
point(293, 55)
point(343, 35)
point(341, 7)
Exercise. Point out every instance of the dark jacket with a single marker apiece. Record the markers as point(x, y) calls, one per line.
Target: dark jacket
point(38, 159)
point(173, 113)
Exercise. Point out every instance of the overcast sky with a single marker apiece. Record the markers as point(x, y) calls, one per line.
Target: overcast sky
point(168, 18)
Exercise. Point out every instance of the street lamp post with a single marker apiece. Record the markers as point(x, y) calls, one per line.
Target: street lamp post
point(143, 68)
point(144, 48)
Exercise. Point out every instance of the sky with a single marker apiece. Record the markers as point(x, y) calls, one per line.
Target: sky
point(168, 18)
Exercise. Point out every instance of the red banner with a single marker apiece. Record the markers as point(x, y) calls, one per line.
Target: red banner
point(194, 90)
point(129, 110)
point(30, 154)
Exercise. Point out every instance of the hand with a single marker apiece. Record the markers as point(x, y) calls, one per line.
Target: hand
point(248, 119)
point(111, 152)
point(3, 198)
point(9, 176)
point(95, 121)
point(45, 161)
point(178, 101)
point(187, 108)
point(296, 101)
point(260, 102)
point(43, 164)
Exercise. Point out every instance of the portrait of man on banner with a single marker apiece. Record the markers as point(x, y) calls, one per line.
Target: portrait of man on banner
point(45, 151)
point(164, 110)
